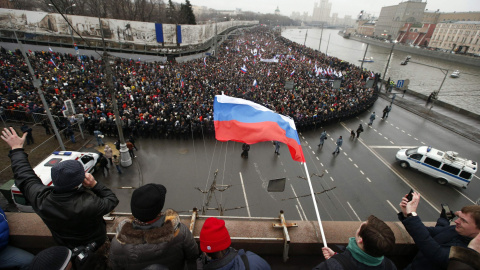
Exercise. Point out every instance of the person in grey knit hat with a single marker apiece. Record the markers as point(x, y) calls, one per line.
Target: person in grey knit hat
point(73, 208)
point(151, 237)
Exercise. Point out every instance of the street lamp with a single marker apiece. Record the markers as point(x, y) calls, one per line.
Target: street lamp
point(443, 70)
point(69, 27)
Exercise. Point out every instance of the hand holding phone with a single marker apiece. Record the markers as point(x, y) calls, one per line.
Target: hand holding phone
point(410, 195)
point(446, 212)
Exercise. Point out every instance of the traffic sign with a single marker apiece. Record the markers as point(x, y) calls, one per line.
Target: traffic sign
point(400, 83)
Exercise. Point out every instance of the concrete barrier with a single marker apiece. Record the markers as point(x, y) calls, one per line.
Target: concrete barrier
point(457, 58)
point(27, 231)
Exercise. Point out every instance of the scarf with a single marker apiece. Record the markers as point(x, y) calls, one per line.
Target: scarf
point(360, 255)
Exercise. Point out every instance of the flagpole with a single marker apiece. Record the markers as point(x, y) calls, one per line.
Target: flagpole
point(315, 205)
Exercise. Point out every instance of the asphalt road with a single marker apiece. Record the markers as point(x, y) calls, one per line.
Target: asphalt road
point(363, 179)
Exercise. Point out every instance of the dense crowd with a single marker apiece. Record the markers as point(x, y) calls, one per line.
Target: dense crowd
point(176, 99)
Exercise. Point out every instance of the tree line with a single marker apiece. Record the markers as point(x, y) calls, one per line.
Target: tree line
point(157, 11)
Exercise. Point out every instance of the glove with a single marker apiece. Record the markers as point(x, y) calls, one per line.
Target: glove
point(449, 216)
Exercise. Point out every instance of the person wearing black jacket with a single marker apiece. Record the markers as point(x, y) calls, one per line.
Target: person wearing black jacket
point(73, 207)
point(434, 243)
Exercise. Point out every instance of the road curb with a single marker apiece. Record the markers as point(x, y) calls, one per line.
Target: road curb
point(446, 122)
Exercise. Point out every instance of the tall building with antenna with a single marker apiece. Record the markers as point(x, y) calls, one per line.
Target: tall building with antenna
point(321, 11)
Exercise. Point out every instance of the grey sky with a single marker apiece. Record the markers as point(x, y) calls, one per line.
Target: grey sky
point(342, 7)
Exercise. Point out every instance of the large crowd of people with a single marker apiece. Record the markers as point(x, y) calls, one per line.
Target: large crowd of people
point(176, 99)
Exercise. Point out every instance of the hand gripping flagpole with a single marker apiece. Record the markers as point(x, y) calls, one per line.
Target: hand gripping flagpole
point(315, 205)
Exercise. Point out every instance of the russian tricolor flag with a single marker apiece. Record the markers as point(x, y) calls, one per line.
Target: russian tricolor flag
point(293, 72)
point(243, 69)
point(244, 121)
point(255, 84)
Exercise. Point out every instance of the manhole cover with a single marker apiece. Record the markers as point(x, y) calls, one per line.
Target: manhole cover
point(183, 151)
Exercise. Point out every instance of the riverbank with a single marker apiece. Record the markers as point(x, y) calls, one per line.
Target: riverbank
point(457, 58)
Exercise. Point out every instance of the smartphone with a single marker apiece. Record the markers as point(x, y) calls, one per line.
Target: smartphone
point(448, 213)
point(410, 195)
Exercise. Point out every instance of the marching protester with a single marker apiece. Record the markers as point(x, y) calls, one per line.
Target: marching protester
point(153, 104)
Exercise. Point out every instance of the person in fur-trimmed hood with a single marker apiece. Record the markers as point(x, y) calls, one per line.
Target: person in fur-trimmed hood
point(151, 237)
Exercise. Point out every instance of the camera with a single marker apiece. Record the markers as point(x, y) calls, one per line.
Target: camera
point(81, 253)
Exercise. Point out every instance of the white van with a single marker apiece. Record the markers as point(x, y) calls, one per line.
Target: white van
point(88, 160)
point(445, 167)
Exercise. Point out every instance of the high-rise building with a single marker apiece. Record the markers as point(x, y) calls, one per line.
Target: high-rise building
point(392, 18)
point(321, 11)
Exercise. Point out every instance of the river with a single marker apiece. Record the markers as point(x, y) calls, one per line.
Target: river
point(463, 92)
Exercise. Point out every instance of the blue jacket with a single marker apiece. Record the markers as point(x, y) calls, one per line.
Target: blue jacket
point(233, 261)
point(433, 243)
point(4, 230)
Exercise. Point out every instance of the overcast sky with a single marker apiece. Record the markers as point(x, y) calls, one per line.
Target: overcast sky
point(342, 7)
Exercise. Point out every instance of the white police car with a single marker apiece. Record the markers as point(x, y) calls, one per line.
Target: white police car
point(88, 160)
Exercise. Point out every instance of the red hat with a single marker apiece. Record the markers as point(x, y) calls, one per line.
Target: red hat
point(214, 236)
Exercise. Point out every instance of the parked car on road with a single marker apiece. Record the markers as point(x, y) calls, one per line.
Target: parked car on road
point(43, 169)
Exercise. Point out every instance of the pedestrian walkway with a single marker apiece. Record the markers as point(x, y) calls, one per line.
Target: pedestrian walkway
point(460, 123)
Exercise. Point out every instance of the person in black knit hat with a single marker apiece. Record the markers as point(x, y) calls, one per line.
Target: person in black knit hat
point(151, 237)
point(73, 208)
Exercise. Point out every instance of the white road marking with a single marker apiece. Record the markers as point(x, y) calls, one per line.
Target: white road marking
point(403, 131)
point(345, 153)
point(326, 171)
point(332, 178)
point(353, 211)
point(368, 179)
point(391, 146)
point(350, 159)
point(362, 172)
point(391, 142)
point(416, 139)
point(355, 166)
point(385, 138)
point(397, 127)
point(463, 195)
point(309, 147)
point(303, 137)
point(394, 208)
point(409, 134)
point(476, 176)
point(399, 175)
point(298, 210)
point(299, 204)
point(422, 142)
point(317, 158)
point(375, 130)
point(380, 134)
point(395, 172)
point(321, 164)
point(391, 125)
point(245, 194)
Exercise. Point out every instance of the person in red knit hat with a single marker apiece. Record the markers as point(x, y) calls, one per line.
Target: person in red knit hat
point(218, 254)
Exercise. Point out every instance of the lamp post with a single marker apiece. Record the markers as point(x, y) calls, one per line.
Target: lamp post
point(125, 159)
point(445, 73)
point(69, 27)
